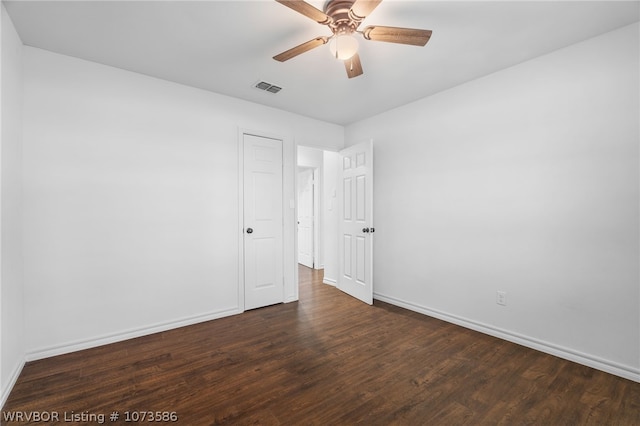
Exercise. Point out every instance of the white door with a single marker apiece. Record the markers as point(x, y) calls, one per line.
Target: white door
point(305, 218)
point(355, 248)
point(263, 222)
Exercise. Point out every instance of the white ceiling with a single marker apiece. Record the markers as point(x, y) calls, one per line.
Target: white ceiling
point(227, 46)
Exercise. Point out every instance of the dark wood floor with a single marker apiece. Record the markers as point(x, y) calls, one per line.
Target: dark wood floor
point(326, 360)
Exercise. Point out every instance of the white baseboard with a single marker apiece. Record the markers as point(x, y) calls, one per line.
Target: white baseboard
point(6, 390)
point(329, 281)
point(79, 345)
point(598, 363)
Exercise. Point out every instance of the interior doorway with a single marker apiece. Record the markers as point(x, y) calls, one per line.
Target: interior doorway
point(324, 165)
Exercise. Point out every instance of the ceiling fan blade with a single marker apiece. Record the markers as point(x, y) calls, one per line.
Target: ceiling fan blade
point(304, 47)
point(362, 8)
point(307, 10)
point(411, 36)
point(353, 66)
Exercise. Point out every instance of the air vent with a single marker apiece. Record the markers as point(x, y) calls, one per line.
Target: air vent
point(263, 85)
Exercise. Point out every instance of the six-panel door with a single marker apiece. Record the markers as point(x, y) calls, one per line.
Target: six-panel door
point(356, 222)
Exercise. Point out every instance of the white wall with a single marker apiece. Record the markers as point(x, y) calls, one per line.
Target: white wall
point(525, 181)
point(309, 157)
point(131, 200)
point(11, 287)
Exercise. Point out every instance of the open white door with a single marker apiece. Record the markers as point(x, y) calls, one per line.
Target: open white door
point(263, 222)
point(305, 218)
point(355, 245)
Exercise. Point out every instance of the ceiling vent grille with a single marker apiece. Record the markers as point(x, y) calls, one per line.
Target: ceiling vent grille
point(263, 85)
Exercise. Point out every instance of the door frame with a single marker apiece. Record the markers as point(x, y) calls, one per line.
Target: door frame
point(315, 213)
point(318, 227)
point(289, 215)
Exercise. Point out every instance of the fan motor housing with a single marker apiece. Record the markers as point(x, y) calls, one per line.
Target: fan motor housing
point(343, 21)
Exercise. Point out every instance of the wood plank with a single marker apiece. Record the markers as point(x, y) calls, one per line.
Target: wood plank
point(300, 49)
point(412, 36)
point(327, 359)
point(353, 66)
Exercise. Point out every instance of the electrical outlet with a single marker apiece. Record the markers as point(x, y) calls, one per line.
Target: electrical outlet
point(501, 298)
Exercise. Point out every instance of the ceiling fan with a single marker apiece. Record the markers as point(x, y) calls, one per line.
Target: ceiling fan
point(343, 17)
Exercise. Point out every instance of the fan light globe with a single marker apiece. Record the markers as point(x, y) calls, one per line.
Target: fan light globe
point(343, 46)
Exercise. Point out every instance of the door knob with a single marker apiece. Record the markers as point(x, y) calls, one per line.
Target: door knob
point(249, 230)
point(373, 230)
point(365, 230)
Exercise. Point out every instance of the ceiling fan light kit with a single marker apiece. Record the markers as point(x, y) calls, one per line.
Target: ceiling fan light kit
point(343, 46)
point(343, 17)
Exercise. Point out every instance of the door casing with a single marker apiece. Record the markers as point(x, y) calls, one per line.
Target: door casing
point(307, 217)
point(290, 269)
